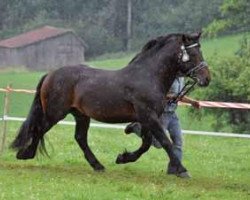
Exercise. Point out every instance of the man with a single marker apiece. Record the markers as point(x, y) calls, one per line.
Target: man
point(169, 121)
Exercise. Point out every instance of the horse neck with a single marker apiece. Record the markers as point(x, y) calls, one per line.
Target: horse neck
point(167, 77)
point(162, 67)
point(166, 69)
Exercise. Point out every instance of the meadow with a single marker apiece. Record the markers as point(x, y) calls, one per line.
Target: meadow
point(219, 166)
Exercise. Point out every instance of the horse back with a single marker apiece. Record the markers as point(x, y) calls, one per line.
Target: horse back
point(96, 93)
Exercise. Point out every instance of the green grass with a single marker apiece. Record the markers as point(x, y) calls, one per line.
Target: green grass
point(114, 63)
point(219, 166)
point(222, 46)
point(112, 60)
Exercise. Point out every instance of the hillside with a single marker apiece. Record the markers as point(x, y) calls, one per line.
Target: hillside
point(221, 47)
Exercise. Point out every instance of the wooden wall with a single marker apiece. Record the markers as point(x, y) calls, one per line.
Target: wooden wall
point(66, 49)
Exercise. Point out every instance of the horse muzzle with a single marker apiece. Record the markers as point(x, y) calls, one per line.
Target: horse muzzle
point(203, 82)
point(202, 77)
point(201, 74)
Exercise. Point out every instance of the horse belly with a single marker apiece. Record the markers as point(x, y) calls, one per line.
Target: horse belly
point(111, 113)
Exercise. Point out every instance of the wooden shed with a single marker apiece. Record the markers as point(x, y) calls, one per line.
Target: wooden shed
point(42, 49)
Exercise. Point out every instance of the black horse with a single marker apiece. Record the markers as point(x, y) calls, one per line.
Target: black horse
point(134, 93)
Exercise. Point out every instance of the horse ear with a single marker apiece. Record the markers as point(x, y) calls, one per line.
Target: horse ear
point(196, 36)
point(199, 33)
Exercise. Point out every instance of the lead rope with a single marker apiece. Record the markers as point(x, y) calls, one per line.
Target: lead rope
point(183, 92)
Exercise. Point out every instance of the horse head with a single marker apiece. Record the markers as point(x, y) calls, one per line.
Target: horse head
point(190, 60)
point(182, 51)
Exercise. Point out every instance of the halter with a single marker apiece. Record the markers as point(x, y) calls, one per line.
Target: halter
point(201, 65)
point(184, 55)
point(189, 85)
point(185, 58)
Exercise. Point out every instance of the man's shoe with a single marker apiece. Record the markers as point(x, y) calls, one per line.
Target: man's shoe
point(173, 171)
point(184, 175)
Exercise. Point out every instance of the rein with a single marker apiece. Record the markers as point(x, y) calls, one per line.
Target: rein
point(187, 87)
point(184, 56)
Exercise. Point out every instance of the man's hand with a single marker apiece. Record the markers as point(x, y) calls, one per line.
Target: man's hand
point(196, 104)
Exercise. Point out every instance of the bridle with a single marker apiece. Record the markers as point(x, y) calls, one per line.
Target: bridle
point(191, 72)
point(184, 57)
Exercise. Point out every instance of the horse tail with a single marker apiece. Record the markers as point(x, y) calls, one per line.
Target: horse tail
point(32, 129)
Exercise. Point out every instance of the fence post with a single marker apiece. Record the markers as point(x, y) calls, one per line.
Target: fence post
point(5, 114)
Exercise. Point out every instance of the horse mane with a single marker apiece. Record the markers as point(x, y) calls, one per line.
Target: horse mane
point(153, 46)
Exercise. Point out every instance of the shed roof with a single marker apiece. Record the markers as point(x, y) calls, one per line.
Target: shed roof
point(33, 36)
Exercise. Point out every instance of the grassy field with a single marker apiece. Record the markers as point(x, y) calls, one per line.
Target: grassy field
point(219, 166)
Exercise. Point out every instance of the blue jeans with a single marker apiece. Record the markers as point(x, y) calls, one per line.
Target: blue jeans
point(170, 123)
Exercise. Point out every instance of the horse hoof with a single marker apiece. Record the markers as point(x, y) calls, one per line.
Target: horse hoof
point(120, 159)
point(184, 175)
point(99, 168)
point(24, 155)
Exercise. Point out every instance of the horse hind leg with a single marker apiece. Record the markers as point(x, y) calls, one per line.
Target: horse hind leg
point(81, 134)
point(133, 156)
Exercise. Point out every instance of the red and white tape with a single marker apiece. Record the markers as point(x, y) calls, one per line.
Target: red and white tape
point(225, 105)
point(9, 89)
point(211, 104)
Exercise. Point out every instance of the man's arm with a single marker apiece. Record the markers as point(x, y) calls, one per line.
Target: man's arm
point(184, 99)
point(194, 103)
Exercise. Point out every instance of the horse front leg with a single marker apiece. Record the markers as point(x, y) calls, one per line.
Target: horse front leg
point(152, 127)
point(126, 157)
point(159, 133)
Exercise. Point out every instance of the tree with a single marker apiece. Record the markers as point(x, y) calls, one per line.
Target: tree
point(230, 83)
point(234, 17)
point(108, 25)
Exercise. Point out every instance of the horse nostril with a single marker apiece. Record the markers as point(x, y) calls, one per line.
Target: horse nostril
point(207, 79)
